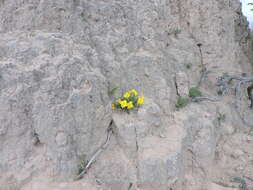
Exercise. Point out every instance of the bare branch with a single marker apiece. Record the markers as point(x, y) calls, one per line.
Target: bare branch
point(97, 153)
point(227, 82)
point(199, 99)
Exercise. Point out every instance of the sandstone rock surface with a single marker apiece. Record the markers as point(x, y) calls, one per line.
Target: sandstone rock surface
point(60, 59)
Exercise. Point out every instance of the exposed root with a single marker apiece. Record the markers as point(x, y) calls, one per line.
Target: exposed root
point(212, 99)
point(197, 164)
point(98, 152)
point(226, 83)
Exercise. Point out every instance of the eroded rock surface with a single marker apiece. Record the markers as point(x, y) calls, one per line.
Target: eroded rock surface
point(60, 59)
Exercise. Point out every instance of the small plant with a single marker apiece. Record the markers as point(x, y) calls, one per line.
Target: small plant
point(241, 181)
point(194, 92)
point(130, 186)
point(174, 31)
point(188, 66)
point(182, 102)
point(128, 101)
point(113, 91)
point(81, 167)
point(221, 117)
point(177, 31)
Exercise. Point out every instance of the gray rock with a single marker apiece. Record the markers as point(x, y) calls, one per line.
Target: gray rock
point(60, 59)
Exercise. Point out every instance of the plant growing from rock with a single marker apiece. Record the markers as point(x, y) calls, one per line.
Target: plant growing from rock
point(113, 91)
point(188, 66)
point(241, 181)
point(194, 92)
point(128, 101)
point(177, 31)
point(81, 166)
point(182, 102)
point(130, 186)
point(221, 117)
point(174, 31)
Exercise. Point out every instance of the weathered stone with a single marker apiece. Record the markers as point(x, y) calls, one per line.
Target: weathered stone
point(61, 139)
point(182, 82)
point(59, 61)
point(156, 158)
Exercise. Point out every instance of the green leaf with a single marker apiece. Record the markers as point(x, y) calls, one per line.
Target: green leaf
point(130, 186)
point(177, 31)
point(182, 102)
point(82, 166)
point(113, 91)
point(221, 117)
point(194, 92)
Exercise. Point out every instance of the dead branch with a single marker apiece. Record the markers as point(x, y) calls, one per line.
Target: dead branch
point(228, 82)
point(97, 153)
point(194, 159)
point(199, 99)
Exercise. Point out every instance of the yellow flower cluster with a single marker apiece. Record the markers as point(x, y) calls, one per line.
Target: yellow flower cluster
point(129, 100)
point(125, 104)
point(140, 100)
point(130, 92)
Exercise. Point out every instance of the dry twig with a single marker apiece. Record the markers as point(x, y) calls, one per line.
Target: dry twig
point(97, 153)
point(227, 82)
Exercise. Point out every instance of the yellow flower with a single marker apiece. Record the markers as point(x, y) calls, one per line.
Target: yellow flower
point(130, 105)
point(140, 100)
point(123, 104)
point(127, 95)
point(134, 92)
point(113, 107)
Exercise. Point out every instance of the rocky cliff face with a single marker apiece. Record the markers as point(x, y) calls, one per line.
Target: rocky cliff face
point(60, 59)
